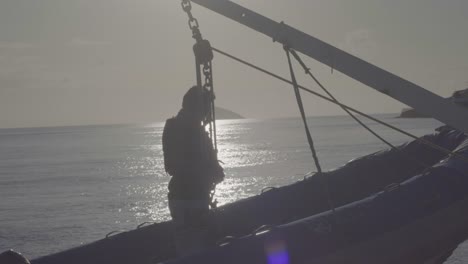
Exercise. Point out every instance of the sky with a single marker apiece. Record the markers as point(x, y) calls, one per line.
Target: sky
point(120, 61)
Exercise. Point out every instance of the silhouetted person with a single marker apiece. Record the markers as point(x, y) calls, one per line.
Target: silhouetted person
point(189, 157)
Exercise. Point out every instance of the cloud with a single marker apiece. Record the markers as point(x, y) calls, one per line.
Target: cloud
point(26, 66)
point(43, 64)
point(12, 45)
point(360, 43)
point(80, 42)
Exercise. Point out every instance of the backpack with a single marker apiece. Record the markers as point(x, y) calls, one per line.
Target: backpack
point(170, 146)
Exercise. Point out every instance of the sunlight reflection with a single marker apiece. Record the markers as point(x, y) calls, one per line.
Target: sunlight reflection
point(149, 202)
point(148, 191)
point(238, 155)
point(235, 153)
point(231, 190)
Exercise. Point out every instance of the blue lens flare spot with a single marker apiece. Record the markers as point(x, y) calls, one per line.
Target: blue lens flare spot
point(276, 252)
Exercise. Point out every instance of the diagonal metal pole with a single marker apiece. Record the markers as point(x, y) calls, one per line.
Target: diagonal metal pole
point(383, 81)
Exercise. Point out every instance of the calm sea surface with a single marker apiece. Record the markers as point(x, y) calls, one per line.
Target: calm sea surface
point(64, 186)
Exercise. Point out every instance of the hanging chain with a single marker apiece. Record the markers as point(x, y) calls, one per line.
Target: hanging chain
point(192, 22)
point(207, 73)
point(203, 58)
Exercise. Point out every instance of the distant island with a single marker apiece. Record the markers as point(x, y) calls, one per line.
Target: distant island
point(459, 97)
point(411, 113)
point(223, 114)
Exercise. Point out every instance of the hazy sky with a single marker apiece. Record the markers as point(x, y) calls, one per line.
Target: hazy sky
point(70, 62)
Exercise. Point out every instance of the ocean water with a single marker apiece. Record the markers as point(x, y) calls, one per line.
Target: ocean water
point(64, 186)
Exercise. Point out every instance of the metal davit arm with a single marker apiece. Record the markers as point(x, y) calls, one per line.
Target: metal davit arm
point(385, 82)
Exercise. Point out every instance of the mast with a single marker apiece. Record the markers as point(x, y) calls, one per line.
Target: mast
point(372, 76)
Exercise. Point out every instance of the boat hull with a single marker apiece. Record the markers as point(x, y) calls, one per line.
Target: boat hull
point(419, 221)
point(354, 181)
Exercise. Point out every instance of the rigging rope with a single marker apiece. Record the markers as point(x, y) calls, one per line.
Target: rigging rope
point(301, 109)
point(418, 139)
point(304, 120)
point(308, 72)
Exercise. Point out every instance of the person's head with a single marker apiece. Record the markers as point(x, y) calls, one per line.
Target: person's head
point(198, 102)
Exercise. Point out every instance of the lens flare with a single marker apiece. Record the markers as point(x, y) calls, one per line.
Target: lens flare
point(276, 252)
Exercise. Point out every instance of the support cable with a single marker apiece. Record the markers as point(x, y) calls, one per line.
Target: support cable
point(308, 72)
point(301, 109)
point(306, 126)
point(421, 140)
